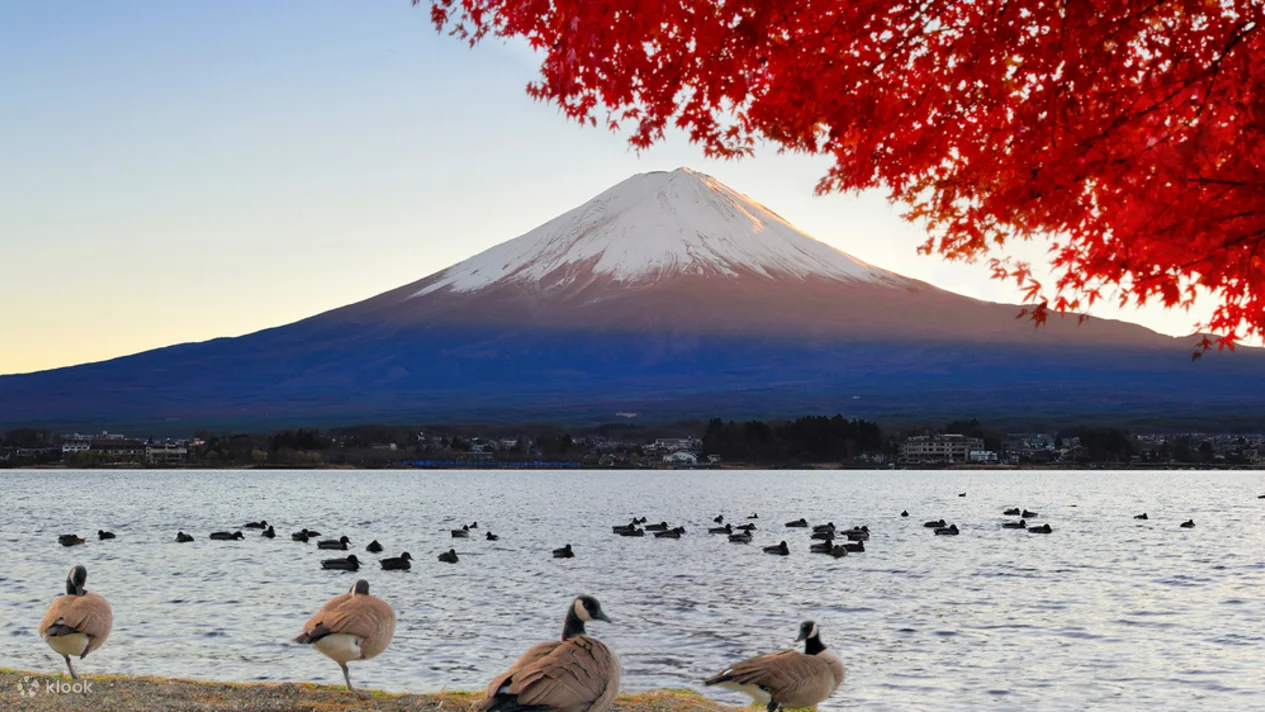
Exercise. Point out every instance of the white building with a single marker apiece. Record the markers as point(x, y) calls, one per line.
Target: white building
point(927, 449)
point(76, 443)
point(681, 457)
point(166, 453)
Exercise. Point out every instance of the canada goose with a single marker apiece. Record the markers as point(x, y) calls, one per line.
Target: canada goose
point(904, 512)
point(827, 527)
point(575, 674)
point(1043, 529)
point(564, 553)
point(181, 538)
point(340, 543)
point(781, 549)
point(225, 536)
point(302, 536)
point(462, 533)
point(261, 524)
point(78, 622)
point(951, 530)
point(660, 527)
point(374, 547)
point(754, 516)
point(823, 536)
point(493, 537)
point(269, 533)
point(839, 552)
point(449, 557)
point(350, 626)
point(1141, 516)
point(1026, 514)
point(637, 531)
point(720, 519)
point(800, 523)
point(746, 527)
point(103, 535)
point(397, 563)
point(673, 533)
point(857, 547)
point(743, 538)
point(1188, 524)
point(1021, 524)
point(727, 529)
point(351, 563)
point(937, 524)
point(1012, 512)
point(69, 539)
point(787, 678)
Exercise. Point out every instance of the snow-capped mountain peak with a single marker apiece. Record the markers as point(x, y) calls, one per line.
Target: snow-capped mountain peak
point(656, 226)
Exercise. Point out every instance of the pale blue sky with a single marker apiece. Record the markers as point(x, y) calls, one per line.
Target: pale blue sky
point(177, 171)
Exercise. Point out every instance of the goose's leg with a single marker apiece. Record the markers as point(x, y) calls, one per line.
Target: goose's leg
point(71, 668)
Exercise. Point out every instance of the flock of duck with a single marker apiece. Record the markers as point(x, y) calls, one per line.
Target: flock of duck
point(575, 673)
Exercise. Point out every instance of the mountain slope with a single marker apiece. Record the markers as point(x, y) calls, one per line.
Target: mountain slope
point(670, 295)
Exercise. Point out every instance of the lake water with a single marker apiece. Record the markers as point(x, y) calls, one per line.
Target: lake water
point(1105, 613)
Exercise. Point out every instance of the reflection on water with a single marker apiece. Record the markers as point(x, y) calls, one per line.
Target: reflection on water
point(1105, 613)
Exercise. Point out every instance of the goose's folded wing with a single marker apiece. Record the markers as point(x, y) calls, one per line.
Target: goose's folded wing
point(89, 614)
point(572, 675)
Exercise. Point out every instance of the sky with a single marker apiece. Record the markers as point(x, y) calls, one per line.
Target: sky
point(174, 172)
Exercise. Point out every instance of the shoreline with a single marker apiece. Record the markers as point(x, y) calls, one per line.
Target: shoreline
point(736, 467)
point(126, 693)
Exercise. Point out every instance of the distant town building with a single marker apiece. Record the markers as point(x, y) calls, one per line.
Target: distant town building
point(75, 443)
point(166, 453)
point(681, 457)
point(928, 449)
point(674, 444)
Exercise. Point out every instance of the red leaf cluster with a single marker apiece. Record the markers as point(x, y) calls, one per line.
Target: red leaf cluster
point(1127, 131)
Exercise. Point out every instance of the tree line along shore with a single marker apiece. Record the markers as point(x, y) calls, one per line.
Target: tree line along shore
point(23, 690)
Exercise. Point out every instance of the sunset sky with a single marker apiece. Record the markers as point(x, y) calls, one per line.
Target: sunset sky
point(175, 172)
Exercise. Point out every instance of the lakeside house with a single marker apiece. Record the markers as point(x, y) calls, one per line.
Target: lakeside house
point(939, 448)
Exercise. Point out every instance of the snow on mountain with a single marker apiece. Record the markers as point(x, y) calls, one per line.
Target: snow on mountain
point(656, 226)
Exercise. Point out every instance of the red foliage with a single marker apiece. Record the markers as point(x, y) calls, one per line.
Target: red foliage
point(1129, 131)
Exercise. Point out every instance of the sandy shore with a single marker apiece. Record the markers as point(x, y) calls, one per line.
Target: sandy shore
point(112, 693)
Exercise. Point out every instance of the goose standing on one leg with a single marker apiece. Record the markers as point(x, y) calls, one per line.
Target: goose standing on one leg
point(574, 674)
point(350, 626)
point(77, 623)
point(788, 678)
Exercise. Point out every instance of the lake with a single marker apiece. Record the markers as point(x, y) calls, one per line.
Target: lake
point(1105, 613)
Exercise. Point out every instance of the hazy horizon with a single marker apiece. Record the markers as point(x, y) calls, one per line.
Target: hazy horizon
point(193, 172)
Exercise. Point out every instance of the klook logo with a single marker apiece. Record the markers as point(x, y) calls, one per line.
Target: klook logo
point(32, 687)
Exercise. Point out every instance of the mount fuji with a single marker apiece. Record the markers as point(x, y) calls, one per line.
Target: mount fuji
point(670, 295)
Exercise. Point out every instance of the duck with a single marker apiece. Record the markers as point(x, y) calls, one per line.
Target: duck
point(639, 520)
point(857, 547)
point(261, 524)
point(673, 533)
point(397, 563)
point(787, 678)
point(660, 527)
point(621, 528)
point(1028, 514)
point(340, 543)
point(1043, 529)
point(69, 540)
point(302, 536)
point(474, 525)
point(312, 532)
point(351, 563)
point(449, 557)
point(182, 538)
point(720, 519)
point(780, 550)
point(374, 547)
point(492, 537)
point(102, 535)
point(823, 536)
point(564, 553)
point(904, 512)
point(839, 551)
point(462, 533)
point(576, 673)
point(350, 626)
point(951, 530)
point(754, 516)
point(78, 622)
point(1141, 516)
point(1188, 524)
point(800, 523)
point(1012, 512)
point(823, 547)
point(961, 494)
point(935, 524)
point(225, 536)
point(858, 533)
point(269, 533)
point(742, 538)
point(827, 527)
point(746, 527)
point(727, 529)
point(637, 531)
point(1021, 524)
